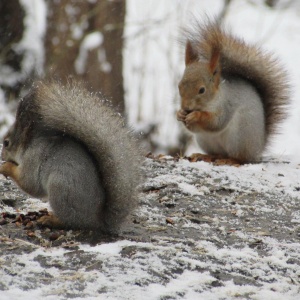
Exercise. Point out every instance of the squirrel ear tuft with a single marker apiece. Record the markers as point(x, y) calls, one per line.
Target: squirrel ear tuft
point(190, 53)
point(214, 61)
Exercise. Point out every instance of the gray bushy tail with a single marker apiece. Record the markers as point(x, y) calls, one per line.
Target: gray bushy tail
point(78, 113)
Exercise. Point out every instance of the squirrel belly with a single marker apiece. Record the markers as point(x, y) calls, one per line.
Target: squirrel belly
point(72, 183)
point(66, 176)
point(242, 126)
point(233, 95)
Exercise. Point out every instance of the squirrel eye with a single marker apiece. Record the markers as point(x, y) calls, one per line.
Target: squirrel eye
point(202, 90)
point(6, 143)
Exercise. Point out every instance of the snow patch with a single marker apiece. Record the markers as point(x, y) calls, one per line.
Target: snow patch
point(90, 42)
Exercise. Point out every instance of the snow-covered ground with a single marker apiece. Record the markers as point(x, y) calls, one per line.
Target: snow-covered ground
point(200, 232)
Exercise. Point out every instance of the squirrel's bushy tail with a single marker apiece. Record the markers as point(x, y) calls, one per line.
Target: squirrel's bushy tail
point(237, 59)
point(73, 110)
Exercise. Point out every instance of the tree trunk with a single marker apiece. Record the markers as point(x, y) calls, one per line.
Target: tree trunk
point(84, 40)
point(11, 32)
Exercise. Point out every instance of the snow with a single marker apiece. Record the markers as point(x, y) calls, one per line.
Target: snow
point(5, 115)
point(32, 42)
point(119, 283)
point(32, 48)
point(149, 270)
point(261, 177)
point(91, 41)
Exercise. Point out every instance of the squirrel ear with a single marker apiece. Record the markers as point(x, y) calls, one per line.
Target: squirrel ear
point(214, 61)
point(190, 53)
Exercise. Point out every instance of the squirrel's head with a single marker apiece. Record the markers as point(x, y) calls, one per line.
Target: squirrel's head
point(200, 80)
point(11, 147)
point(20, 134)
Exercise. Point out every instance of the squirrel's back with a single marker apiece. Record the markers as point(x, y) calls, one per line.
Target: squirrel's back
point(248, 62)
point(85, 117)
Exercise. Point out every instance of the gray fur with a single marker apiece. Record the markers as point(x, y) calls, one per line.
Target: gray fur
point(78, 155)
point(242, 123)
point(64, 174)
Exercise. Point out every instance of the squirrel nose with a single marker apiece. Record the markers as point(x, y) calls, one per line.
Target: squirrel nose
point(186, 109)
point(186, 105)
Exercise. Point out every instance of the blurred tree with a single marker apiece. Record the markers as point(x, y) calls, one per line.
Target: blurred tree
point(225, 10)
point(11, 32)
point(84, 39)
point(271, 3)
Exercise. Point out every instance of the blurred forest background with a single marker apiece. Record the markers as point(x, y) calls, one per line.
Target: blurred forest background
point(128, 51)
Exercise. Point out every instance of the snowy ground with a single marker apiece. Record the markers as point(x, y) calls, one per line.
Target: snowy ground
point(201, 232)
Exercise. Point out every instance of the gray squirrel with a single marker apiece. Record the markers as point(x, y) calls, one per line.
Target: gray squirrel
point(69, 147)
point(233, 95)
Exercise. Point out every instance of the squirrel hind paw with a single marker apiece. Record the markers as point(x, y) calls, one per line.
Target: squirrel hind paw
point(50, 221)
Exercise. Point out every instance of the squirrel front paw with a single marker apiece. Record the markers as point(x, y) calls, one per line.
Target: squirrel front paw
point(193, 121)
point(181, 115)
point(190, 120)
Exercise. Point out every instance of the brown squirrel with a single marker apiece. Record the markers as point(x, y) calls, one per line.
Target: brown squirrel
point(233, 95)
point(69, 147)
